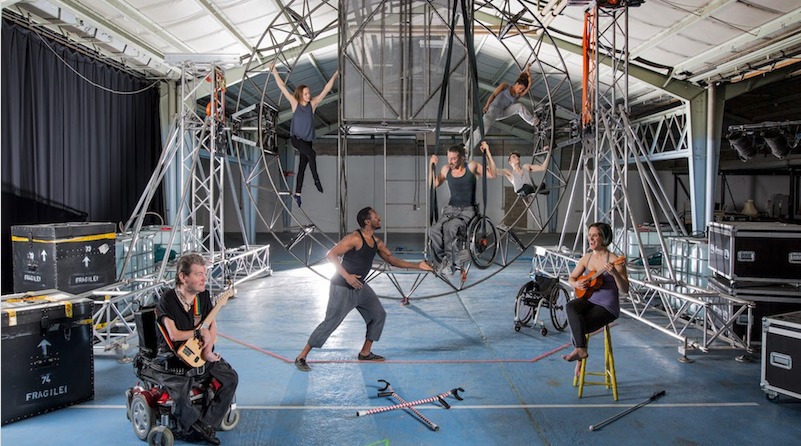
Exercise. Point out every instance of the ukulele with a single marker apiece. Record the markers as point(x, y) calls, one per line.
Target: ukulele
point(595, 280)
point(191, 351)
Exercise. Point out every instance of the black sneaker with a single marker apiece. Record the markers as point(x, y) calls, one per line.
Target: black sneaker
point(301, 364)
point(370, 357)
point(297, 199)
point(205, 432)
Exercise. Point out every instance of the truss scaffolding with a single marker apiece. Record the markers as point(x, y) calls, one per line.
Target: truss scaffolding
point(617, 154)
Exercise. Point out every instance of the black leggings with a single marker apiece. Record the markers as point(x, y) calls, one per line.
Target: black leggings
point(307, 156)
point(585, 317)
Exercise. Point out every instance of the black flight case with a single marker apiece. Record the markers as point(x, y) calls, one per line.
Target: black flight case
point(47, 356)
point(781, 355)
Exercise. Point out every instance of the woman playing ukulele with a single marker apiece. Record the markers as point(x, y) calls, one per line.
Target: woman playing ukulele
point(600, 303)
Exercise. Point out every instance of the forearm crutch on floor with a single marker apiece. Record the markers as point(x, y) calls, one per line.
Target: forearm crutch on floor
point(388, 391)
point(441, 398)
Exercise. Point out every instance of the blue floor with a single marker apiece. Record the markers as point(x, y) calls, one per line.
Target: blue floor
point(517, 389)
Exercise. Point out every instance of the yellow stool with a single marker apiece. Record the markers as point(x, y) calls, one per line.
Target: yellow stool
point(610, 380)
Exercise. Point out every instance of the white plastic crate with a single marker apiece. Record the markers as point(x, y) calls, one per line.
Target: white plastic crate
point(142, 262)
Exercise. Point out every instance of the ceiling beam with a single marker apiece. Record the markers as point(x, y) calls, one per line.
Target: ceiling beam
point(676, 87)
point(688, 20)
point(739, 44)
point(136, 17)
point(221, 18)
point(733, 90)
point(681, 89)
point(81, 27)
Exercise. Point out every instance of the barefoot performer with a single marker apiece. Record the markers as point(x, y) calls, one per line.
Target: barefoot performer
point(601, 302)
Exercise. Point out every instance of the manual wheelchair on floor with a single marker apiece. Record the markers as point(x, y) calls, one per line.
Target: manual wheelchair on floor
point(542, 292)
point(148, 405)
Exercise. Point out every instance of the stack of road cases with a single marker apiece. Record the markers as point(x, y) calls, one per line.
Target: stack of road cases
point(47, 357)
point(759, 262)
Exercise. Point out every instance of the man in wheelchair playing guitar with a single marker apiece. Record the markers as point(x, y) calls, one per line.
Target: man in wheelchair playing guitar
point(183, 321)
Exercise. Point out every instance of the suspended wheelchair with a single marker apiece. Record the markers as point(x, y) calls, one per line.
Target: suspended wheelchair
point(477, 241)
point(542, 292)
point(148, 404)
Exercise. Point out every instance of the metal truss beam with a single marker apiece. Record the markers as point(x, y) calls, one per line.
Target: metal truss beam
point(698, 318)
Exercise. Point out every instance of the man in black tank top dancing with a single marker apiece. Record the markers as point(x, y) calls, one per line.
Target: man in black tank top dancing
point(461, 178)
point(348, 289)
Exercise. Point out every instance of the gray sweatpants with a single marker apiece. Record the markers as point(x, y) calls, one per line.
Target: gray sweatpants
point(341, 300)
point(444, 232)
point(494, 114)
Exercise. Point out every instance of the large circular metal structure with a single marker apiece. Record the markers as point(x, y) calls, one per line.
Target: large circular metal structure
point(522, 37)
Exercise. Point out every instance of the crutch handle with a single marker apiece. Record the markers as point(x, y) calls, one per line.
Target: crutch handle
point(380, 394)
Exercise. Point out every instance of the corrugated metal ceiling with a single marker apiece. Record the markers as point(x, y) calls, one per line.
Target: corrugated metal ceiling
point(693, 42)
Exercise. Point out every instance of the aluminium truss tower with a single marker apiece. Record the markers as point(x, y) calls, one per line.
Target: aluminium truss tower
point(194, 167)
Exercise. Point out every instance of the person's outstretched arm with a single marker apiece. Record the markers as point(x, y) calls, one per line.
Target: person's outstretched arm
point(282, 86)
point(540, 167)
point(388, 257)
point(328, 86)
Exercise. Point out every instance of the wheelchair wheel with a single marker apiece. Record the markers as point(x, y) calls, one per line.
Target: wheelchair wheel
point(141, 416)
point(128, 396)
point(230, 420)
point(483, 241)
point(160, 436)
point(523, 311)
point(558, 301)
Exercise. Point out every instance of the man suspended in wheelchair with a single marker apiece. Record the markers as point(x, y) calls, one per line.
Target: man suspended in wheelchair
point(448, 234)
point(179, 315)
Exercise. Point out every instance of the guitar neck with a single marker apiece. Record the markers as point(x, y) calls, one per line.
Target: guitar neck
point(221, 300)
point(620, 260)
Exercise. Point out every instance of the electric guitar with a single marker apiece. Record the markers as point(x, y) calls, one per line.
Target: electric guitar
point(595, 280)
point(191, 352)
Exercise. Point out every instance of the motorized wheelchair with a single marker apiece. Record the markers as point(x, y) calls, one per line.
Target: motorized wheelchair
point(148, 404)
point(476, 241)
point(542, 292)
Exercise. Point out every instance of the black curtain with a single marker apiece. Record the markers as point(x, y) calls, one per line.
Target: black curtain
point(76, 150)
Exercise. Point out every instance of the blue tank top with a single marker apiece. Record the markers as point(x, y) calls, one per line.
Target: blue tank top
point(357, 261)
point(607, 296)
point(302, 126)
point(463, 189)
